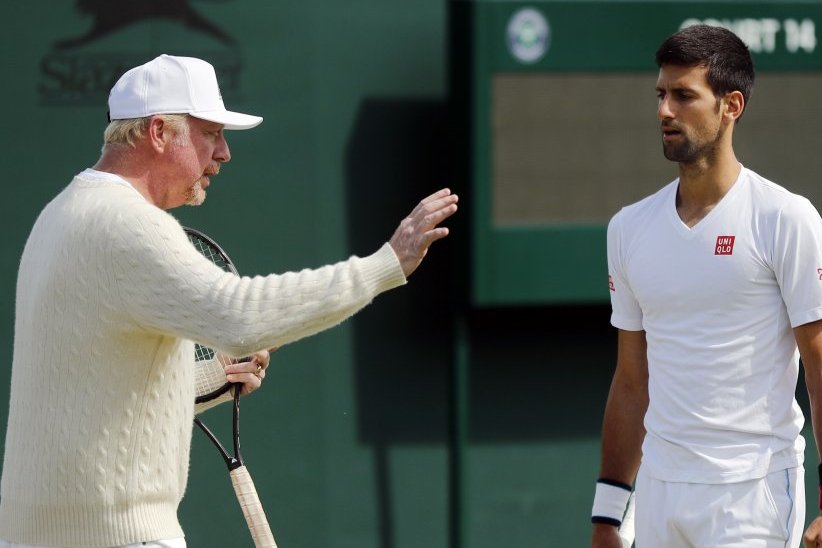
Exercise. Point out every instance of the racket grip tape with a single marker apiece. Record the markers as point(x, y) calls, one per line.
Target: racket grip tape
point(252, 508)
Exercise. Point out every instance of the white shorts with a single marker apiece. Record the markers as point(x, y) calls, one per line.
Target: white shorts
point(170, 543)
point(762, 513)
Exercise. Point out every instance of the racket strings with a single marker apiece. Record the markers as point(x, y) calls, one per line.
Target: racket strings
point(209, 376)
point(203, 353)
point(210, 253)
point(210, 380)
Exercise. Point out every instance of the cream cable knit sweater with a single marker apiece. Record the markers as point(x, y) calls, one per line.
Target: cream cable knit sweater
point(109, 297)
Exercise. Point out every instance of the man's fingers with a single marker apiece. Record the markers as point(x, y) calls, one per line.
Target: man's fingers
point(249, 381)
point(419, 230)
point(251, 367)
point(432, 236)
point(435, 218)
point(435, 203)
point(435, 196)
point(248, 373)
point(813, 534)
point(262, 357)
point(447, 202)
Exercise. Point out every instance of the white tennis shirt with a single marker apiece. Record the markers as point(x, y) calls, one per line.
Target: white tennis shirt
point(718, 303)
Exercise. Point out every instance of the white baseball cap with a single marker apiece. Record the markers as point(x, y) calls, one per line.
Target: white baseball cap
point(174, 85)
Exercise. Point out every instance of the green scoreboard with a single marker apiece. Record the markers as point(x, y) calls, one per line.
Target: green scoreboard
point(557, 127)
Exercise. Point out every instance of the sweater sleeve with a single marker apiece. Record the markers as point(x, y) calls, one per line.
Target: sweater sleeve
point(168, 287)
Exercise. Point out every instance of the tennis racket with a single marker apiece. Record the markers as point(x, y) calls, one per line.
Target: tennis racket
point(626, 530)
point(211, 384)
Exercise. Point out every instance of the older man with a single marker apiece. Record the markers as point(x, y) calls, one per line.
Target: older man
point(110, 297)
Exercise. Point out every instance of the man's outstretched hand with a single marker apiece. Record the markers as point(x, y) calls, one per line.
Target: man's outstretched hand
point(419, 229)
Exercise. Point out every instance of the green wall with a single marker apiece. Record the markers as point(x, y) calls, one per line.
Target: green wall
point(351, 442)
point(328, 174)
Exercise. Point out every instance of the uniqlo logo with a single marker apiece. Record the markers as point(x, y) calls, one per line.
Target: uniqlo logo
point(724, 245)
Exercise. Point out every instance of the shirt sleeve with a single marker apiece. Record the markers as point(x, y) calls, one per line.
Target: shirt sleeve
point(625, 310)
point(797, 260)
point(168, 287)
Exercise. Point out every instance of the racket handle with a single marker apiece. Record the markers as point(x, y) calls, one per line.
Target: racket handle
point(252, 508)
point(626, 530)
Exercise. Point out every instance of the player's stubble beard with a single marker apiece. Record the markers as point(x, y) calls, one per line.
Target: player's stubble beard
point(196, 195)
point(689, 150)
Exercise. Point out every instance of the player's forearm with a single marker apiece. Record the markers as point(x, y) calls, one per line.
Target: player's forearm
point(813, 380)
point(622, 436)
point(623, 429)
point(809, 340)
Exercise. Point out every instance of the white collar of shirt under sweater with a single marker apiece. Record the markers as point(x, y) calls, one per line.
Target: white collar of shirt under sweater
point(95, 175)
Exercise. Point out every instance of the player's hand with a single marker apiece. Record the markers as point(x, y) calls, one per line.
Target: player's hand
point(605, 536)
point(419, 230)
point(250, 372)
point(813, 534)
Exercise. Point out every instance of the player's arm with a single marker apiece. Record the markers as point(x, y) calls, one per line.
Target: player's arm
point(623, 429)
point(809, 340)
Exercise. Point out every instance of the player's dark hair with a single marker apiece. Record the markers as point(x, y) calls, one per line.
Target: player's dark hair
point(723, 53)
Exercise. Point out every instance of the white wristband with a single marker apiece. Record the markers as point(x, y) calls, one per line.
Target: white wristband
point(610, 502)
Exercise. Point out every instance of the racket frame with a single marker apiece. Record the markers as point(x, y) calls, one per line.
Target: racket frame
point(240, 478)
point(199, 239)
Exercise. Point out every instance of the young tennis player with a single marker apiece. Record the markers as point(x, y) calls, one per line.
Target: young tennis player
point(111, 296)
point(715, 280)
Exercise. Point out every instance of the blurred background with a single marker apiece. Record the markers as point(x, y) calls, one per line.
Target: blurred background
point(462, 410)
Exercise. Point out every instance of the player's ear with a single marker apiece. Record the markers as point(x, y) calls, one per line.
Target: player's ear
point(734, 104)
point(157, 133)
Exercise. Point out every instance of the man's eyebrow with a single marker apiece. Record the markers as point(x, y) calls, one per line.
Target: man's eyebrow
point(675, 88)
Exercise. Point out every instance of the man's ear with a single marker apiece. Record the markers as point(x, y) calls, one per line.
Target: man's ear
point(158, 134)
point(734, 104)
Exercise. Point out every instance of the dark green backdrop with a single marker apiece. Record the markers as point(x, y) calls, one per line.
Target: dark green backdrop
point(351, 442)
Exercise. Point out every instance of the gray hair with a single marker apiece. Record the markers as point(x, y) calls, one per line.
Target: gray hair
point(126, 132)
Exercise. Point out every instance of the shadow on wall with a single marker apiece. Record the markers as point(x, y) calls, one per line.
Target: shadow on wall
point(537, 373)
point(529, 366)
point(397, 155)
point(402, 348)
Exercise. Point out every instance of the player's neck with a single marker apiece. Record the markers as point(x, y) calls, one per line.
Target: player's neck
point(129, 167)
point(702, 185)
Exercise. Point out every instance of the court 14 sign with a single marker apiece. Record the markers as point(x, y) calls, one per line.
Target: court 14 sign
point(765, 34)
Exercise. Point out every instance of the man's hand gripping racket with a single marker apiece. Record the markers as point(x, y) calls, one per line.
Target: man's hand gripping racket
point(211, 383)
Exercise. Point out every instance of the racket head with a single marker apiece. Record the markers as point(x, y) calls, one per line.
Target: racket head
point(210, 366)
point(210, 249)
